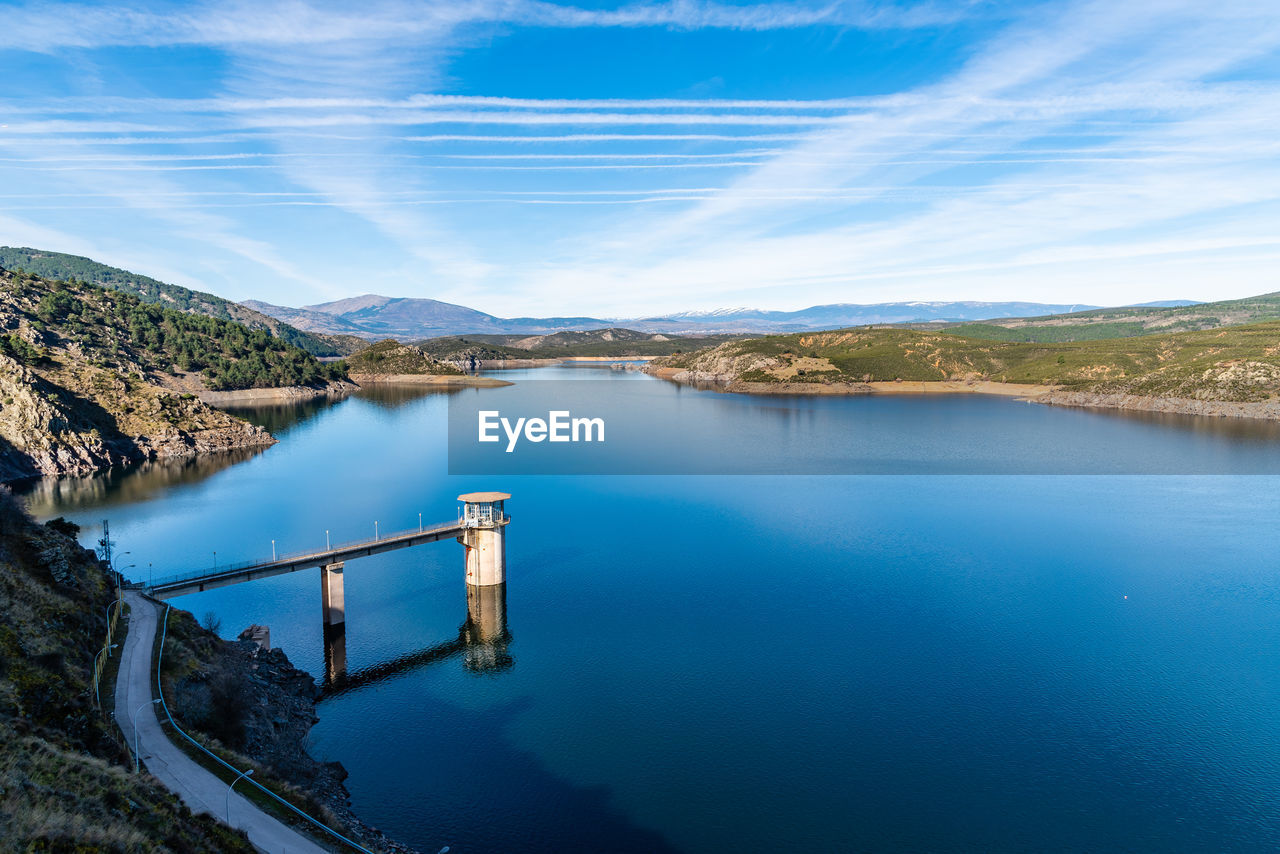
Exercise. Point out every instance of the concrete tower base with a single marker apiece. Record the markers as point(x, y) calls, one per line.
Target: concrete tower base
point(486, 556)
point(331, 594)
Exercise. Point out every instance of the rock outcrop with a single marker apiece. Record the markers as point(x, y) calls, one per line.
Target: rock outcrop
point(96, 418)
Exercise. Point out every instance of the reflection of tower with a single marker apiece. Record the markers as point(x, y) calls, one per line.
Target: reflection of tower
point(335, 652)
point(484, 635)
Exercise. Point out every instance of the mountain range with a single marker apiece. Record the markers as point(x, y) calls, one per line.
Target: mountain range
point(405, 318)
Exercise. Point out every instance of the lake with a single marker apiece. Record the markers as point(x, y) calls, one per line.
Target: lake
point(988, 657)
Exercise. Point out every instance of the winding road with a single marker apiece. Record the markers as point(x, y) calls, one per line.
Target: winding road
point(198, 788)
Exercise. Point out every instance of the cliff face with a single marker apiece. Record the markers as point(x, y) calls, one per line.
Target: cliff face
point(69, 418)
point(81, 391)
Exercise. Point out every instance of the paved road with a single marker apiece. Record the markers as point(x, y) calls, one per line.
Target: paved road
point(198, 788)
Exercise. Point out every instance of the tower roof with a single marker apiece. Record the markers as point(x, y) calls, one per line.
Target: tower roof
point(483, 497)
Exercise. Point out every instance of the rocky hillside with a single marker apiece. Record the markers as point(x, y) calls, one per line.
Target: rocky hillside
point(65, 784)
point(73, 268)
point(1233, 364)
point(390, 357)
point(91, 378)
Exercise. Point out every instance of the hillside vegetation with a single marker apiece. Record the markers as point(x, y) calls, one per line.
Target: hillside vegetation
point(73, 268)
point(391, 357)
point(91, 378)
point(1237, 363)
point(46, 318)
point(65, 784)
point(1125, 322)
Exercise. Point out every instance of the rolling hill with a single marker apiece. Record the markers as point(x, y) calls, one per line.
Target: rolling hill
point(58, 265)
point(373, 316)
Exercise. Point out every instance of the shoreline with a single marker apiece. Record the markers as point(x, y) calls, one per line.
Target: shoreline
point(437, 380)
point(282, 394)
point(608, 358)
point(1046, 395)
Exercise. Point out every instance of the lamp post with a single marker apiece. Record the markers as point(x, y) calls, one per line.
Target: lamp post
point(243, 774)
point(375, 529)
point(133, 719)
point(115, 572)
point(419, 523)
point(98, 684)
point(326, 539)
point(273, 550)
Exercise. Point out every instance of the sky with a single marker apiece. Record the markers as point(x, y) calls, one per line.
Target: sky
point(620, 160)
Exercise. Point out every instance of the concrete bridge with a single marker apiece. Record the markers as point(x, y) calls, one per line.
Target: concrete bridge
point(480, 528)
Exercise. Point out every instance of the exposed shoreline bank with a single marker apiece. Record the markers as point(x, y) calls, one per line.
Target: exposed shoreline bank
point(438, 380)
point(283, 394)
point(1048, 395)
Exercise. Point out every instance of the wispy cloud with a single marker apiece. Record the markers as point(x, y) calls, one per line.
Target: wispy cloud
point(1096, 147)
point(238, 23)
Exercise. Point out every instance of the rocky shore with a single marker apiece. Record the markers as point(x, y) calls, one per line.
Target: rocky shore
point(246, 697)
point(1269, 409)
point(288, 394)
point(50, 427)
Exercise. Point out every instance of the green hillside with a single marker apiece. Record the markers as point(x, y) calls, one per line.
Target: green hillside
point(57, 265)
point(392, 357)
point(113, 329)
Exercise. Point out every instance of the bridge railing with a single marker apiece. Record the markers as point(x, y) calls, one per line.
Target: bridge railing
point(291, 557)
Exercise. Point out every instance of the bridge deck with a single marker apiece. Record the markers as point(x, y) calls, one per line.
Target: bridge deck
point(224, 576)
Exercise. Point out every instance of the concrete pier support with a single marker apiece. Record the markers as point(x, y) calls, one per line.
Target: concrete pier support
point(331, 594)
point(484, 521)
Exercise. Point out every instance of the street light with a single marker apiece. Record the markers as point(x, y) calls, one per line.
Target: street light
point(326, 539)
point(248, 773)
point(115, 559)
point(98, 684)
point(419, 523)
point(273, 550)
point(375, 529)
point(134, 720)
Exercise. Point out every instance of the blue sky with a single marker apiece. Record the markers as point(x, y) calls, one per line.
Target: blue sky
point(527, 157)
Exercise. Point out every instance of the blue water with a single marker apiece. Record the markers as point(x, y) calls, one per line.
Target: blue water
point(766, 663)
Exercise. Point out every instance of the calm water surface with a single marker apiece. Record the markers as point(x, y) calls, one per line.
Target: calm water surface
point(765, 663)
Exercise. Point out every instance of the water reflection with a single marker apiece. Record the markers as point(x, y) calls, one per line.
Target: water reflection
point(483, 641)
point(395, 396)
point(279, 418)
point(52, 496)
